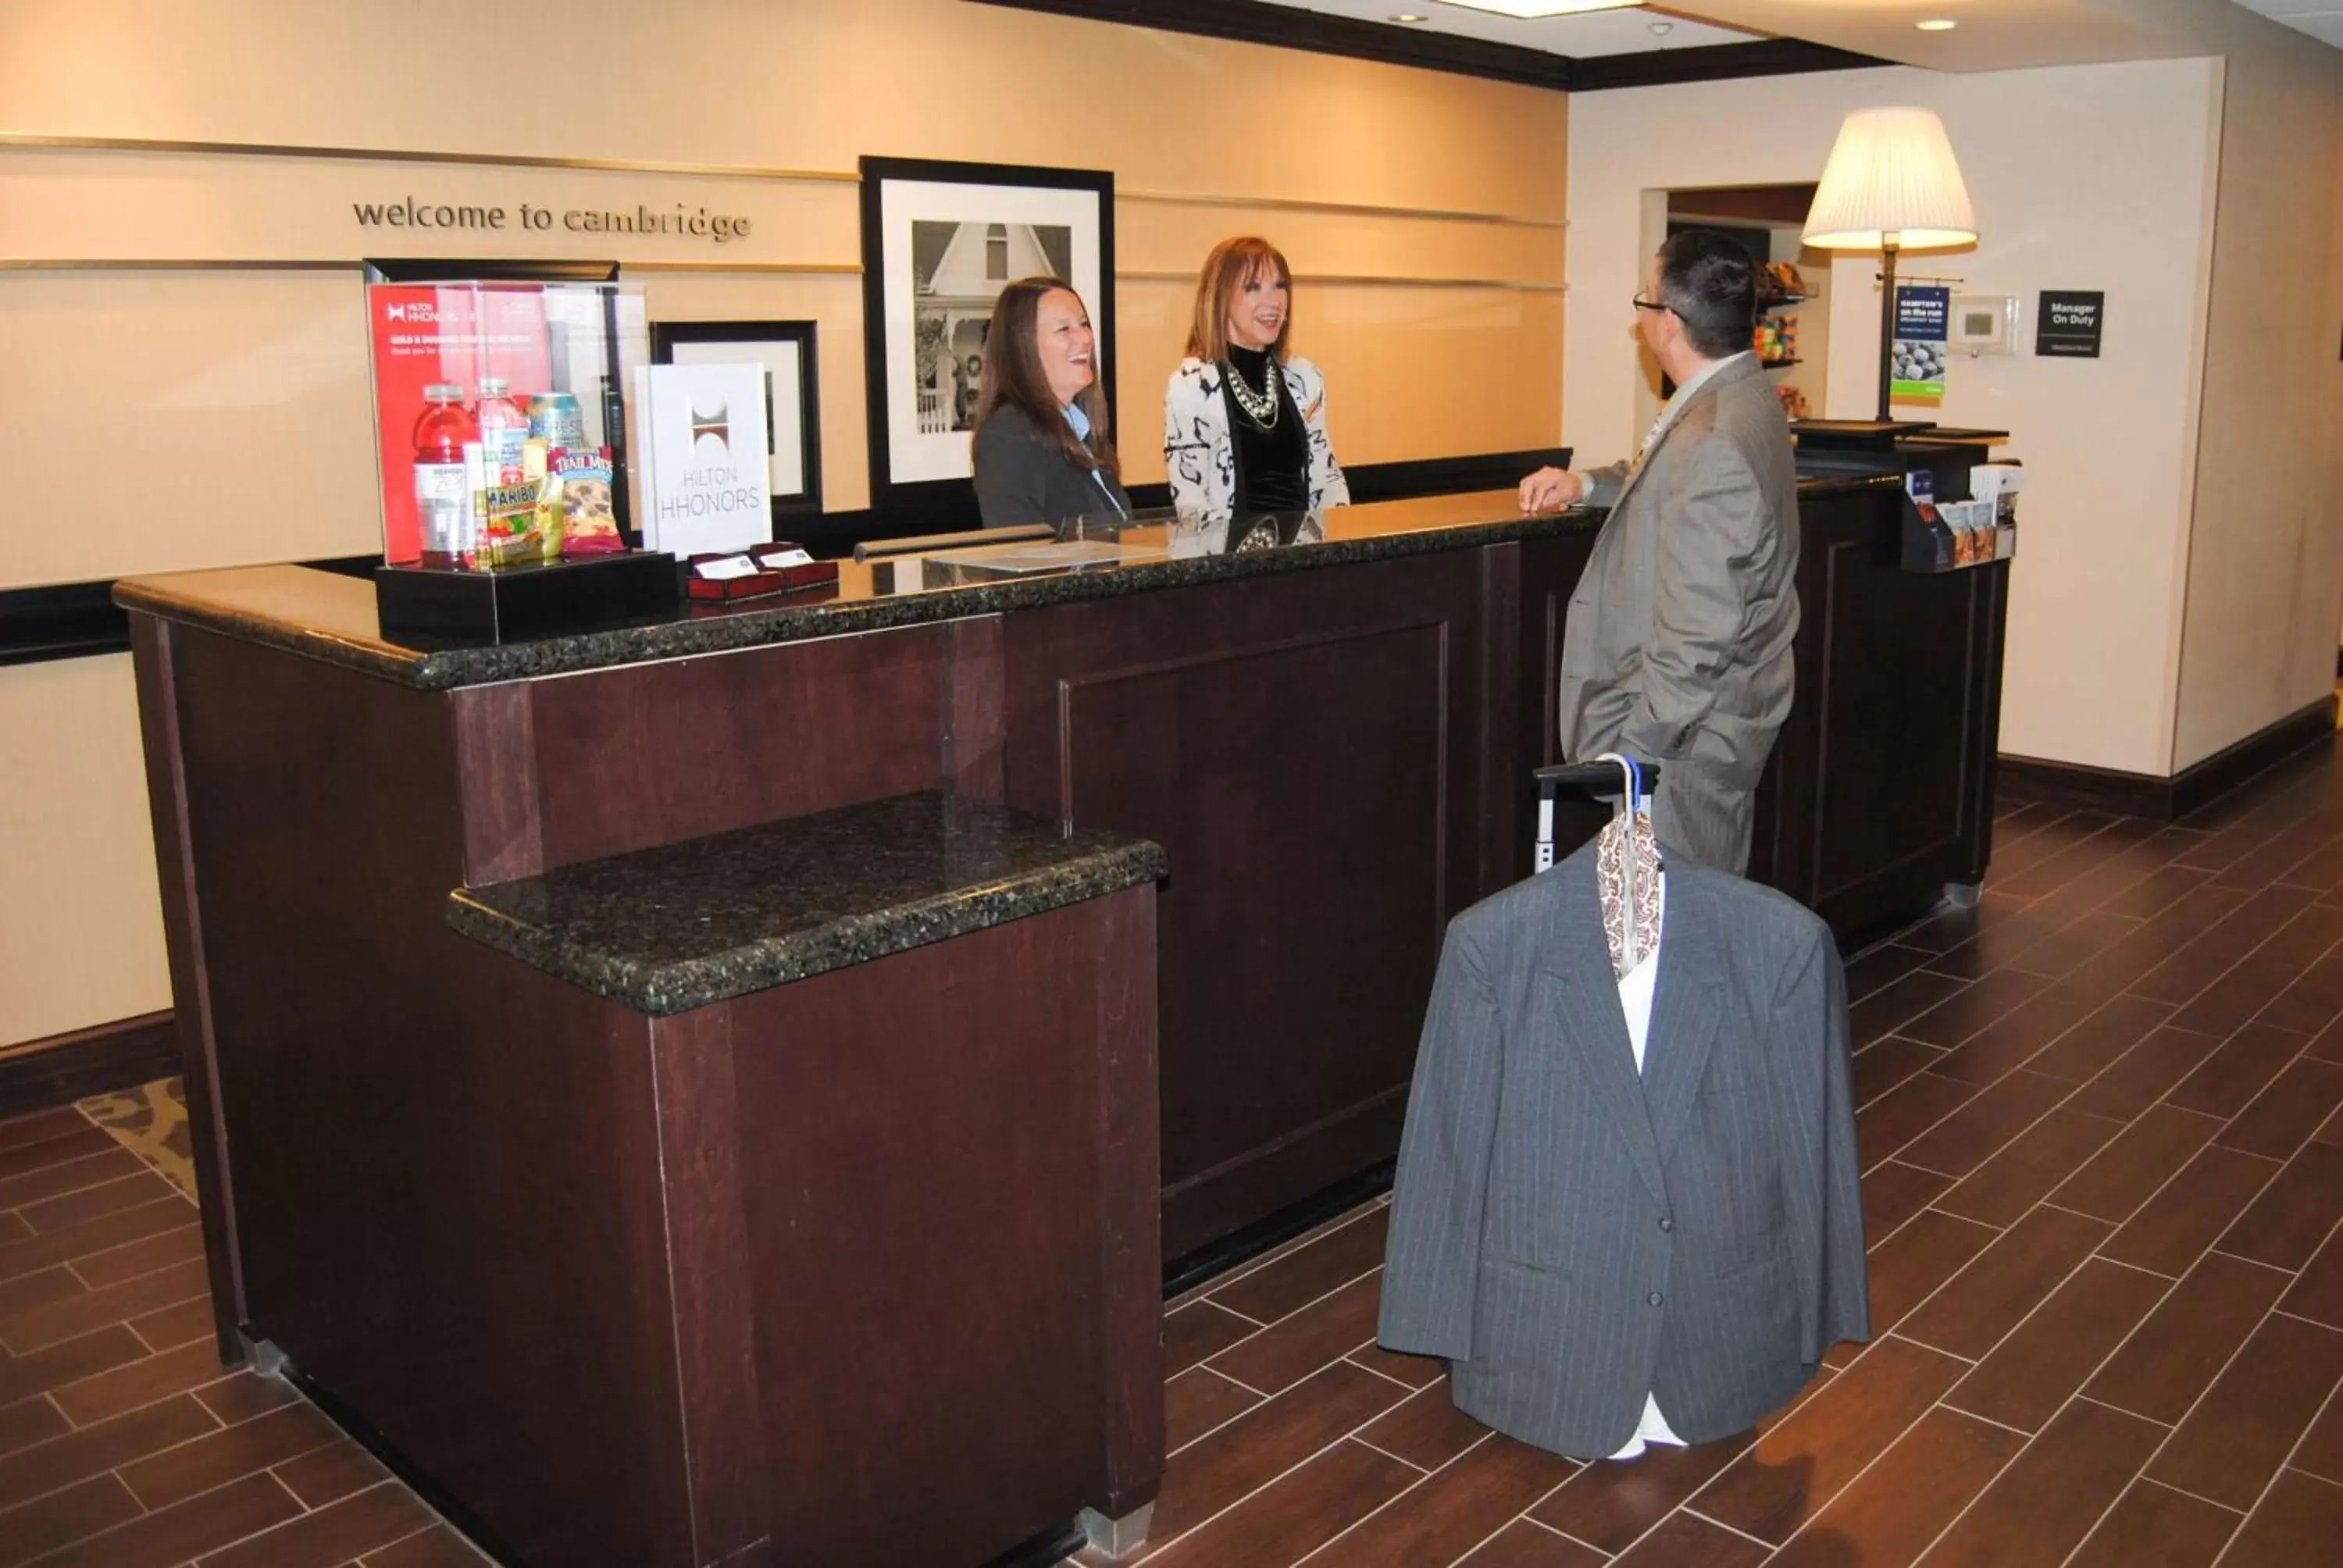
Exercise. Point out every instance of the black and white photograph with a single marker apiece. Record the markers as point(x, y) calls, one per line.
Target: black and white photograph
point(785, 350)
point(939, 242)
point(958, 270)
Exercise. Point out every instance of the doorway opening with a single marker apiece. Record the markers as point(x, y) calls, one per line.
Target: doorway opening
point(1793, 337)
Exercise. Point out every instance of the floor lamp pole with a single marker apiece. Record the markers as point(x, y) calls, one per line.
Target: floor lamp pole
point(1886, 319)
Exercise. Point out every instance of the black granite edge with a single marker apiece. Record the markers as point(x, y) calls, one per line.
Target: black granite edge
point(660, 989)
point(771, 624)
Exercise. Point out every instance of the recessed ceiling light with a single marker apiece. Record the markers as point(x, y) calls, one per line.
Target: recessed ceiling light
point(1530, 10)
point(1664, 28)
point(1406, 16)
point(1937, 25)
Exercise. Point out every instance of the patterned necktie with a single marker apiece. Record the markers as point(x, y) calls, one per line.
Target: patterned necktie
point(1624, 838)
point(1650, 436)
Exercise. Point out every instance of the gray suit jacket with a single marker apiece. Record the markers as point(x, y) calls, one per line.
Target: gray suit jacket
point(1571, 1236)
point(1022, 478)
point(1676, 649)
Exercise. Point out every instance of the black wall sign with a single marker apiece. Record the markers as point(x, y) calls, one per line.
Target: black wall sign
point(2068, 325)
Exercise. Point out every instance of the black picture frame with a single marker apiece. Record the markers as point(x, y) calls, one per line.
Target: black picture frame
point(908, 500)
point(751, 336)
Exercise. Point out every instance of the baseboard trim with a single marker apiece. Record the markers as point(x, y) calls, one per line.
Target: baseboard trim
point(2167, 800)
point(1214, 1259)
point(40, 1074)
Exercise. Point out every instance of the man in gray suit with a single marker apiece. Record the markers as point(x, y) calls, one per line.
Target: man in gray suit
point(1677, 645)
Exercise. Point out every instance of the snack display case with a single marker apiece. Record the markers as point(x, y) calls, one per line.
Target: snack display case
point(501, 429)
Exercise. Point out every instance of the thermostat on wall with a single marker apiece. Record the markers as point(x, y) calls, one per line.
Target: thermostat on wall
point(1984, 324)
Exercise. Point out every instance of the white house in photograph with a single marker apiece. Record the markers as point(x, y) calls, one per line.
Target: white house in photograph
point(955, 302)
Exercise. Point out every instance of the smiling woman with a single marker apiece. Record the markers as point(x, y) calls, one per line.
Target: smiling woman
point(1044, 450)
point(1244, 420)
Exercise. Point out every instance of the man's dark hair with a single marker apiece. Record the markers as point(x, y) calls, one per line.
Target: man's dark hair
point(1711, 284)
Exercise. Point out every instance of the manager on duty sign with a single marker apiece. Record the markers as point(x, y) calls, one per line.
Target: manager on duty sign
point(2069, 321)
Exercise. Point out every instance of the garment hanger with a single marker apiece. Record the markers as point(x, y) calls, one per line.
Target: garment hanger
point(1633, 804)
point(1598, 779)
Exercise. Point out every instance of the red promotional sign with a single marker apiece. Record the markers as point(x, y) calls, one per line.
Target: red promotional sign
point(460, 335)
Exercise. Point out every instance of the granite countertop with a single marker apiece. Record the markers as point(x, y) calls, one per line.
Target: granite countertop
point(328, 616)
point(666, 929)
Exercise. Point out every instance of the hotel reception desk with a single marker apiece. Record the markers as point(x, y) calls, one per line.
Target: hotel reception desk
point(726, 1089)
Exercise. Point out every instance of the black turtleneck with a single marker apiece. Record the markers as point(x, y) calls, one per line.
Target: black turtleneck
point(1273, 466)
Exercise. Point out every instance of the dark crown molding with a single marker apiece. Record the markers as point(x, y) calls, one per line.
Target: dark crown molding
point(1287, 27)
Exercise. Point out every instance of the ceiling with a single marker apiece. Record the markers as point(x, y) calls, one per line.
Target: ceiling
point(1993, 35)
point(1586, 36)
point(2322, 19)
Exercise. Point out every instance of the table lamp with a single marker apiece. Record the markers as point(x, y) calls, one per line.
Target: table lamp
point(1891, 185)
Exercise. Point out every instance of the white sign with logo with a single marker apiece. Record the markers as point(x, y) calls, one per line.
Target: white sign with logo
point(705, 483)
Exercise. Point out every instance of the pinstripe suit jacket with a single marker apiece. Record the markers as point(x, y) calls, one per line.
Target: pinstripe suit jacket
point(1676, 647)
point(1571, 1236)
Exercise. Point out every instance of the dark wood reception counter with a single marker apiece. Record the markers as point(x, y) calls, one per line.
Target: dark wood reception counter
point(1327, 728)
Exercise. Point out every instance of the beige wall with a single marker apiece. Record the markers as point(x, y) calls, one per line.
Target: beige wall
point(1440, 334)
point(2264, 557)
point(80, 940)
point(196, 416)
point(2082, 177)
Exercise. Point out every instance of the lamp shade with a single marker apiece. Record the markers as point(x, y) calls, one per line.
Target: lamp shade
point(1891, 174)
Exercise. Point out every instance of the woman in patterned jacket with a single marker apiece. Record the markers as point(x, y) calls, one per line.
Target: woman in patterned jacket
point(1245, 422)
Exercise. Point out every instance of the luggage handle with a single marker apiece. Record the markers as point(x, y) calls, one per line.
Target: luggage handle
point(1599, 780)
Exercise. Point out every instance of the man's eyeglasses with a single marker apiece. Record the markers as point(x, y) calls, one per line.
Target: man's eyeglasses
point(1643, 303)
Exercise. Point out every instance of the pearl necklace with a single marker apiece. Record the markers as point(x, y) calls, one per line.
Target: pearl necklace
point(1259, 406)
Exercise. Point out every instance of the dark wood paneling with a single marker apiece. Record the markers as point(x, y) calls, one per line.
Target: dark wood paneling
point(1550, 571)
point(1304, 748)
point(1897, 699)
point(154, 668)
point(975, 728)
point(468, 1248)
point(495, 762)
point(651, 754)
point(1500, 853)
point(701, 1141)
point(64, 1068)
point(915, 1209)
point(1130, 1113)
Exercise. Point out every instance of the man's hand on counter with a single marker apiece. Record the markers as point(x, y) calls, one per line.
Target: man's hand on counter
point(1550, 489)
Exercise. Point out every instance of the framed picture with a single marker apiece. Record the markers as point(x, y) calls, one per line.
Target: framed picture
point(792, 401)
point(940, 241)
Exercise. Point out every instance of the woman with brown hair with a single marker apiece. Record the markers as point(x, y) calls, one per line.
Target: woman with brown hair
point(1043, 449)
point(1244, 420)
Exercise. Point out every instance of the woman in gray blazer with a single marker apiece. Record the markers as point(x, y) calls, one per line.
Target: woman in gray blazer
point(1043, 448)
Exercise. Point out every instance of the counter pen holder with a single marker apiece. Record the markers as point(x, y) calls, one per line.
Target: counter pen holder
point(1578, 780)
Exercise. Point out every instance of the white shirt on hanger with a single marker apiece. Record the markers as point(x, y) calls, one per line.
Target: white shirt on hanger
point(1636, 992)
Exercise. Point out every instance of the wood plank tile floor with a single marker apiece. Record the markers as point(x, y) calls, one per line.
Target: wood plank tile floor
point(122, 1442)
point(2101, 1120)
